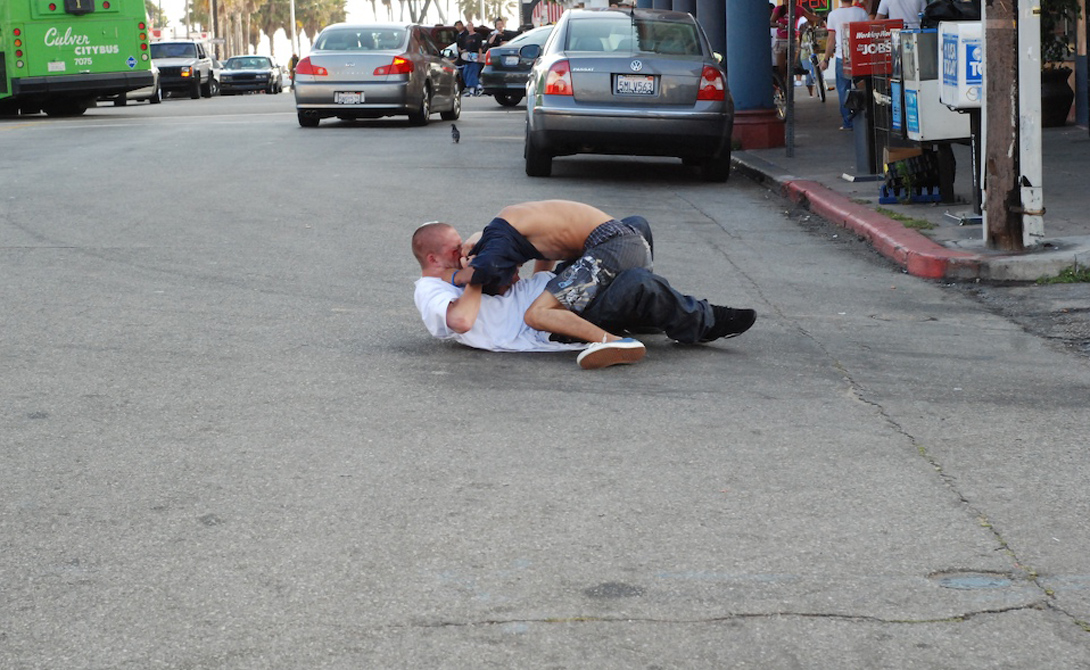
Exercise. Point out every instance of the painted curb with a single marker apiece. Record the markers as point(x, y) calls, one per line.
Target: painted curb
point(912, 251)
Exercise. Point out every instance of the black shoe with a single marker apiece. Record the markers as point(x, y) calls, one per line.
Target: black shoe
point(729, 322)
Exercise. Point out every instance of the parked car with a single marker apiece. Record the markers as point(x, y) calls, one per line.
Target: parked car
point(370, 71)
point(250, 73)
point(641, 82)
point(505, 71)
point(185, 66)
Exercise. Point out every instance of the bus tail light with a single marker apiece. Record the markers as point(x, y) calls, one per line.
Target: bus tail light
point(558, 79)
point(304, 66)
point(399, 66)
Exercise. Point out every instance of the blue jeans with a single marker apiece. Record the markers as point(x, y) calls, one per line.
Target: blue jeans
point(843, 84)
point(639, 300)
point(471, 75)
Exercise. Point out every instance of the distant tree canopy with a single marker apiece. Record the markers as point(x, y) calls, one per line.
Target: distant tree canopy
point(241, 23)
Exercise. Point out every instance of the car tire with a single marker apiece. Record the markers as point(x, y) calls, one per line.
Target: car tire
point(156, 96)
point(538, 162)
point(420, 117)
point(121, 100)
point(195, 90)
point(206, 88)
point(509, 99)
point(716, 169)
point(308, 121)
point(455, 109)
point(213, 87)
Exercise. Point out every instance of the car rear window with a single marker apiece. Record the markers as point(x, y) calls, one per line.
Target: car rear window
point(361, 39)
point(646, 35)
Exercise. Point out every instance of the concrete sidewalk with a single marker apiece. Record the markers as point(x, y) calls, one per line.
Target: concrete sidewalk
point(823, 155)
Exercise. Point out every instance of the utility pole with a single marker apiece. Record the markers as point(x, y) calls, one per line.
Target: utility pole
point(294, 37)
point(1002, 201)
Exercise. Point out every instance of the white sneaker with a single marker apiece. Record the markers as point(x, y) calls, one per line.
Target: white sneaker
point(604, 354)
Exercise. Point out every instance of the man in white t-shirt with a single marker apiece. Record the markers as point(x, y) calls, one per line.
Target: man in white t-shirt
point(636, 299)
point(907, 10)
point(836, 23)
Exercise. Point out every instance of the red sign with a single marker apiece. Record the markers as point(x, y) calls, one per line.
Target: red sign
point(869, 48)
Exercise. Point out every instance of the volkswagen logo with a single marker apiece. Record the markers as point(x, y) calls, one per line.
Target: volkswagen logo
point(637, 65)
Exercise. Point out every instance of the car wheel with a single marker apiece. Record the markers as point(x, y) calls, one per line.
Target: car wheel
point(716, 168)
point(121, 100)
point(538, 162)
point(308, 121)
point(420, 117)
point(455, 109)
point(509, 99)
point(213, 87)
point(206, 88)
point(195, 89)
point(156, 96)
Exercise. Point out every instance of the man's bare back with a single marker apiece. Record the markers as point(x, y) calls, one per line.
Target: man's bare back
point(558, 229)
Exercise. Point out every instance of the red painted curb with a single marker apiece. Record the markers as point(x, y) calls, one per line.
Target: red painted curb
point(918, 255)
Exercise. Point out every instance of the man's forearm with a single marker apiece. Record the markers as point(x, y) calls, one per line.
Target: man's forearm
point(462, 313)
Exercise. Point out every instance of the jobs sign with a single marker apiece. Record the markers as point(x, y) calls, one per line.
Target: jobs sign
point(868, 47)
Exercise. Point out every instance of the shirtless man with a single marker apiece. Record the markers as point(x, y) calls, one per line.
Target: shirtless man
point(599, 246)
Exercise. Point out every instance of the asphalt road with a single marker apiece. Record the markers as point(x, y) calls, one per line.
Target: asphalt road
point(227, 440)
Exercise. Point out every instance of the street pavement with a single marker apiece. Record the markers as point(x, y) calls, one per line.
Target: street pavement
point(823, 157)
point(228, 441)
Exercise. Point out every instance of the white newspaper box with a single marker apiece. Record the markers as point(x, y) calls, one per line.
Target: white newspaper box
point(961, 50)
point(926, 118)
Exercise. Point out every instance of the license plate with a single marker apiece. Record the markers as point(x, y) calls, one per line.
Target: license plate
point(510, 61)
point(348, 97)
point(634, 84)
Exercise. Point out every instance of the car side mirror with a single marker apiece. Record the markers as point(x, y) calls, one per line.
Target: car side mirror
point(530, 52)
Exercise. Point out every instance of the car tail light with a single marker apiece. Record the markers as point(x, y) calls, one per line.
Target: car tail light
point(304, 66)
point(399, 66)
point(558, 79)
point(488, 57)
point(711, 84)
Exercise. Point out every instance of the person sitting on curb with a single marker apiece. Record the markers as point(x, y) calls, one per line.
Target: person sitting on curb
point(636, 300)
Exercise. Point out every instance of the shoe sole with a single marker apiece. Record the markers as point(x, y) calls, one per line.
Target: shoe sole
point(607, 356)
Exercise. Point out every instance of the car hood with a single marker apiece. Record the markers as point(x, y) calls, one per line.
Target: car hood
point(174, 62)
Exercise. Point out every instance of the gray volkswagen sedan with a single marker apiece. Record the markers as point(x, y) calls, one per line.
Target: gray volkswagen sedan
point(638, 82)
point(375, 70)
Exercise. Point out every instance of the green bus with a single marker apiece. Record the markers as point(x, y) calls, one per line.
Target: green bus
point(60, 56)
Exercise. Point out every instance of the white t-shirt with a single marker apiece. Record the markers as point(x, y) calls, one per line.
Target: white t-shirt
point(906, 10)
point(499, 325)
point(838, 19)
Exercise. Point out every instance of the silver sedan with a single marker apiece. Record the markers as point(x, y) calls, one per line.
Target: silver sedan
point(641, 82)
point(375, 70)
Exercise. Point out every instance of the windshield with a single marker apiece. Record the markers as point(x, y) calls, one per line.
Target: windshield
point(168, 50)
point(620, 33)
point(246, 64)
point(361, 39)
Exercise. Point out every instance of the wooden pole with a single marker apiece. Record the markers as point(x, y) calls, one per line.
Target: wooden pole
point(1002, 202)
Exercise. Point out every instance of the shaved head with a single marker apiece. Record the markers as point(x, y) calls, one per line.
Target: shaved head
point(429, 239)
